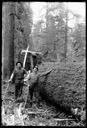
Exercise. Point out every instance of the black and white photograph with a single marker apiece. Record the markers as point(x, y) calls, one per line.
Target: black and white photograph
point(43, 81)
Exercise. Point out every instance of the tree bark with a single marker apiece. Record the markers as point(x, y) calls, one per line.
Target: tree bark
point(66, 35)
point(11, 48)
point(63, 86)
point(7, 39)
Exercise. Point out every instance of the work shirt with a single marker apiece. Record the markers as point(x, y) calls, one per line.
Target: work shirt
point(18, 75)
point(33, 78)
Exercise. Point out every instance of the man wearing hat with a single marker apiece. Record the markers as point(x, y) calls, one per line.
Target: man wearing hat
point(17, 78)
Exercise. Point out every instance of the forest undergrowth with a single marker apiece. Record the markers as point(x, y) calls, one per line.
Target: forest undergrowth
point(45, 113)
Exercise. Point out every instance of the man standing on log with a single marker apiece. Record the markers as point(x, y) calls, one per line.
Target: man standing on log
point(33, 82)
point(17, 78)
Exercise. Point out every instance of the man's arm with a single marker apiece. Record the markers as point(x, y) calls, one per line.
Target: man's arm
point(27, 77)
point(45, 73)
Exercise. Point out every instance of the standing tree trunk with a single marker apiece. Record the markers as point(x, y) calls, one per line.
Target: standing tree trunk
point(16, 28)
point(11, 47)
point(7, 39)
point(66, 36)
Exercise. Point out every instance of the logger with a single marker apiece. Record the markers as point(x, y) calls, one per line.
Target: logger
point(32, 81)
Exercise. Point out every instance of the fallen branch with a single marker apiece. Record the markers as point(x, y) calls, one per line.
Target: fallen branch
point(63, 119)
point(18, 115)
point(32, 112)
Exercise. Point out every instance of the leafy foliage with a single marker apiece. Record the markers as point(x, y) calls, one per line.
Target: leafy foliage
point(53, 34)
point(52, 31)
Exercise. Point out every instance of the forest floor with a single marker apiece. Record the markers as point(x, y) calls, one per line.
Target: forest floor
point(34, 116)
point(43, 115)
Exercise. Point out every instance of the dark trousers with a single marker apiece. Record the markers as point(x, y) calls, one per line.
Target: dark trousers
point(31, 91)
point(30, 96)
point(18, 90)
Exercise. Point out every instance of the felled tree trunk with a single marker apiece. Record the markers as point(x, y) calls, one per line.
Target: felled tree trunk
point(64, 86)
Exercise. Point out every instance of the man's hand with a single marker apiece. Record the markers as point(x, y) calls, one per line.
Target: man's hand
point(9, 81)
point(26, 83)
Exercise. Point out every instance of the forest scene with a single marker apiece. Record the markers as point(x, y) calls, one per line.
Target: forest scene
point(49, 37)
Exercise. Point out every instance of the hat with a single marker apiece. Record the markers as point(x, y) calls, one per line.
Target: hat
point(19, 62)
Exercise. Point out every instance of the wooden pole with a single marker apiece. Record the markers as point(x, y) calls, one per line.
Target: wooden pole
point(26, 52)
point(31, 56)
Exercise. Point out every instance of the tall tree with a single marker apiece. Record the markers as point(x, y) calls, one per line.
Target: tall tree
point(8, 37)
point(54, 31)
point(79, 41)
point(16, 30)
point(22, 29)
